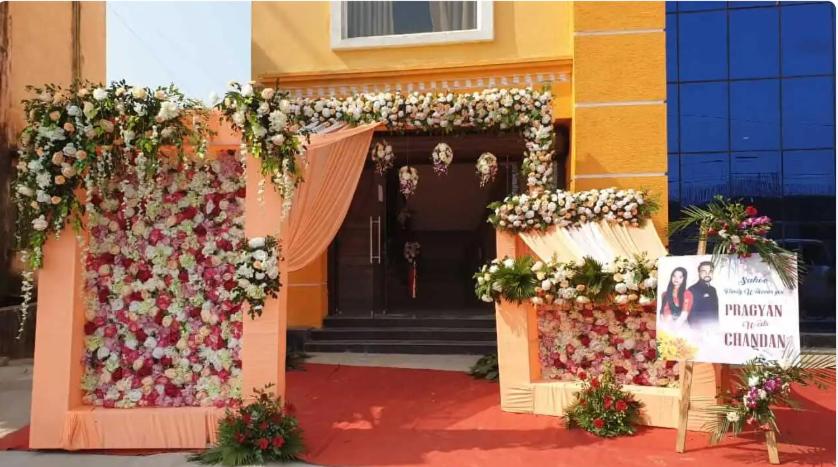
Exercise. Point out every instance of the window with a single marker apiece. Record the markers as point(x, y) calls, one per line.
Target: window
point(370, 24)
point(809, 173)
point(673, 173)
point(672, 130)
point(704, 118)
point(757, 175)
point(807, 39)
point(671, 48)
point(808, 113)
point(755, 115)
point(702, 42)
point(704, 176)
point(754, 43)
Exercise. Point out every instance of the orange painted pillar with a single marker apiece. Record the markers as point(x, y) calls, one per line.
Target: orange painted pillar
point(59, 337)
point(263, 339)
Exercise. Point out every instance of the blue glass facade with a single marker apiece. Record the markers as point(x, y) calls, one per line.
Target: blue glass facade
point(751, 114)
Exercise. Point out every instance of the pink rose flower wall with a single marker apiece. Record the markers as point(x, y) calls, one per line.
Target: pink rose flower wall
point(162, 328)
point(583, 338)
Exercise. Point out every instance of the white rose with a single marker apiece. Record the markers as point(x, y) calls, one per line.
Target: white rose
point(100, 94)
point(732, 417)
point(247, 90)
point(621, 288)
point(268, 93)
point(40, 223)
point(138, 92)
point(260, 255)
point(753, 381)
point(277, 139)
point(256, 242)
point(546, 284)
point(508, 262)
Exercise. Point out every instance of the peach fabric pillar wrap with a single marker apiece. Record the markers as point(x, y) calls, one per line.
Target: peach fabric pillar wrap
point(335, 162)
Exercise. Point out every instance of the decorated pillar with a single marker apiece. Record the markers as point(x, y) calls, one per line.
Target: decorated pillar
point(264, 337)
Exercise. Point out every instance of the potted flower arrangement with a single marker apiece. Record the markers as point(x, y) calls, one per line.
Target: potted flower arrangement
point(602, 407)
point(260, 432)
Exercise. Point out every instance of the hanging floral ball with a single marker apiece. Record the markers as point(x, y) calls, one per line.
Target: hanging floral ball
point(487, 168)
point(442, 157)
point(408, 180)
point(382, 155)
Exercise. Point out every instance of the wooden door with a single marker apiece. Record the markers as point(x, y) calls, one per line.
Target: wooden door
point(357, 256)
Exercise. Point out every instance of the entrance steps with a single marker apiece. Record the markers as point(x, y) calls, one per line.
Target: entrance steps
point(468, 334)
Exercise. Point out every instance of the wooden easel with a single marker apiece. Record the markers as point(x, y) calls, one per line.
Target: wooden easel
point(685, 377)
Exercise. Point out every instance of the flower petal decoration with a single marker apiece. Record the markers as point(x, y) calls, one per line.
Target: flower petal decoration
point(441, 157)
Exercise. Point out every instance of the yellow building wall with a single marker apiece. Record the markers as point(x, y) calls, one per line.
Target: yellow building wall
point(619, 99)
point(293, 37)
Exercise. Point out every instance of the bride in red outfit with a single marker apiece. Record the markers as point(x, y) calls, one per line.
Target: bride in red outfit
point(677, 300)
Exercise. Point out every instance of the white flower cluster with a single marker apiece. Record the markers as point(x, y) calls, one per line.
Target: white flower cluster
point(257, 274)
point(563, 208)
point(382, 156)
point(487, 168)
point(489, 288)
point(635, 280)
point(408, 180)
point(441, 157)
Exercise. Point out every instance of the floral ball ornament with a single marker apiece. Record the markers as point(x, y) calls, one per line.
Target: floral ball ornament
point(441, 157)
point(382, 155)
point(408, 180)
point(257, 274)
point(487, 168)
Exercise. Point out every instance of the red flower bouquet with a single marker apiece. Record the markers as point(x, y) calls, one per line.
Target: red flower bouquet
point(602, 407)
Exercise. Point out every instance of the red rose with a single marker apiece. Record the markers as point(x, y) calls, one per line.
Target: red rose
point(583, 376)
point(278, 442)
point(594, 383)
point(711, 232)
point(670, 363)
point(751, 211)
point(651, 353)
point(166, 361)
point(627, 353)
point(599, 423)
point(621, 405)
point(246, 418)
point(143, 275)
point(748, 240)
point(116, 375)
point(620, 370)
point(89, 328)
point(263, 443)
point(240, 438)
point(585, 340)
point(607, 403)
point(171, 390)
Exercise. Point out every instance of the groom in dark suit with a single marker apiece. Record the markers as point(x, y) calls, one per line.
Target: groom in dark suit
point(705, 310)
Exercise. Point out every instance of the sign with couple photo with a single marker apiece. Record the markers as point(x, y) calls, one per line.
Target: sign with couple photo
point(724, 312)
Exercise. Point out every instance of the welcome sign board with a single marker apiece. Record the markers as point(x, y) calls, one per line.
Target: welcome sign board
point(728, 311)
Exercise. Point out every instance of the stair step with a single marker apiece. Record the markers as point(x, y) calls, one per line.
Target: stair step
point(466, 321)
point(405, 333)
point(422, 347)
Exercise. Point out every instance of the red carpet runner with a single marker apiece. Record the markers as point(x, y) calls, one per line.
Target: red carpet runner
point(387, 416)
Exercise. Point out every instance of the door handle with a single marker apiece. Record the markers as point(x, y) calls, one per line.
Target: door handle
point(370, 240)
point(379, 239)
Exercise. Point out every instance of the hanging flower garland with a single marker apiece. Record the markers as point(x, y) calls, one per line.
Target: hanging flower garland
point(441, 157)
point(525, 109)
point(487, 168)
point(408, 180)
point(271, 134)
point(382, 156)
point(519, 213)
point(80, 137)
point(257, 274)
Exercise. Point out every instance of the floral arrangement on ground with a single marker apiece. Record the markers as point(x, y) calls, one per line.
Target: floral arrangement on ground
point(624, 281)
point(763, 384)
point(588, 338)
point(602, 407)
point(257, 433)
point(162, 326)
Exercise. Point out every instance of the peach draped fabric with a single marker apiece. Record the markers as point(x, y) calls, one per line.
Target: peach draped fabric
point(334, 164)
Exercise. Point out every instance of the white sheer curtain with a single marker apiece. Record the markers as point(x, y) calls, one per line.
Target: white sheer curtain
point(453, 16)
point(364, 19)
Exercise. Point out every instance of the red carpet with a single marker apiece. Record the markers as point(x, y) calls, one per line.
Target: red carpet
point(387, 416)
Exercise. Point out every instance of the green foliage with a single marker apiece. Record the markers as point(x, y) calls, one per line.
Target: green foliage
point(733, 228)
point(512, 279)
point(294, 360)
point(260, 432)
point(763, 384)
point(602, 407)
point(485, 368)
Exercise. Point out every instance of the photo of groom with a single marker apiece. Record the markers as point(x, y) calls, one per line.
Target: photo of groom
point(705, 310)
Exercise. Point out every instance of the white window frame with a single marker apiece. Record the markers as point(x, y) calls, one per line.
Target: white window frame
point(485, 31)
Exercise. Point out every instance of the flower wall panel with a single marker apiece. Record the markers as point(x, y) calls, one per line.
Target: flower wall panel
point(162, 328)
point(583, 338)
